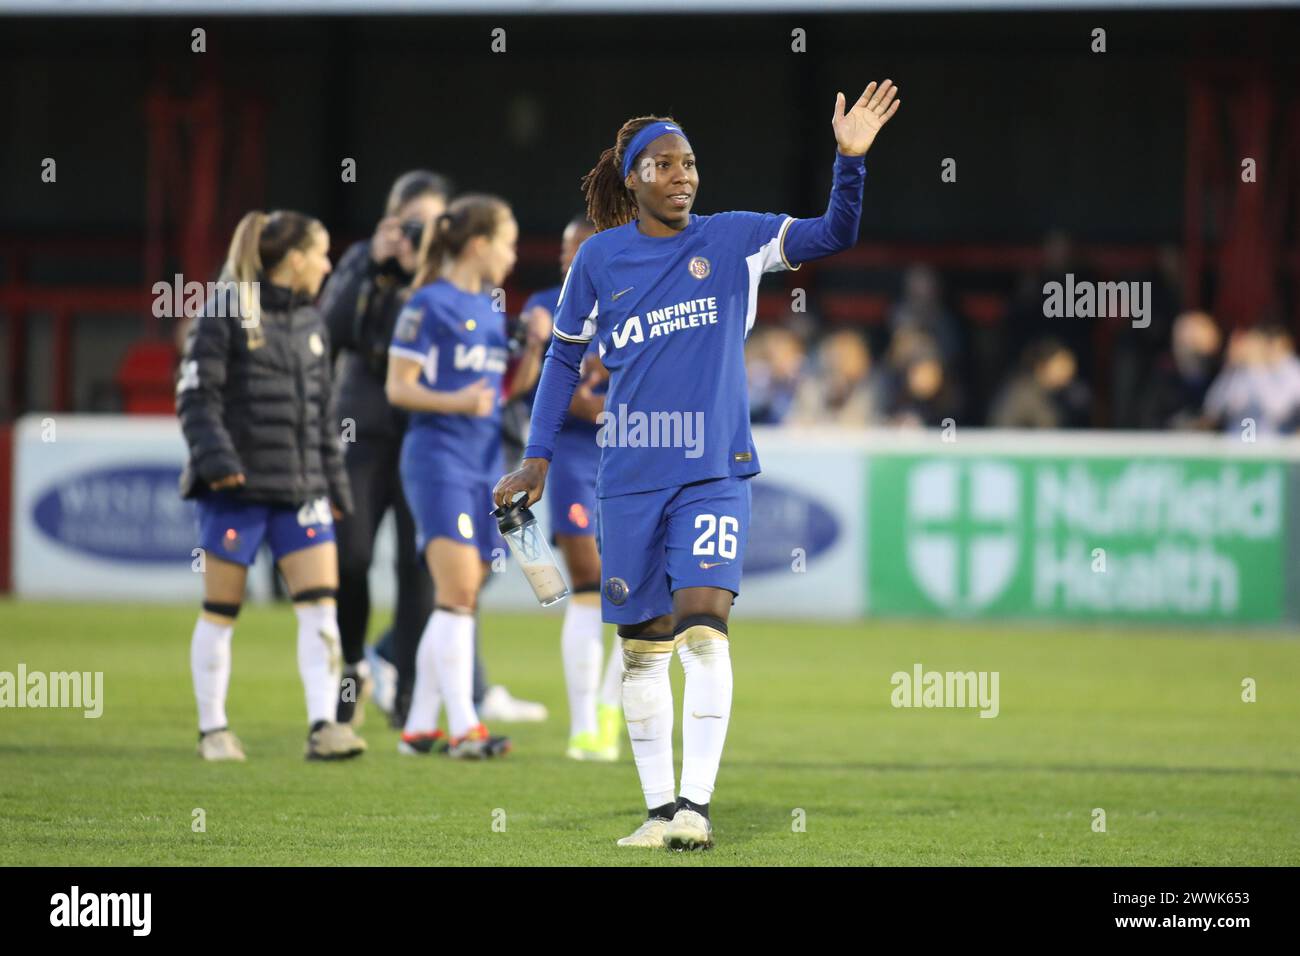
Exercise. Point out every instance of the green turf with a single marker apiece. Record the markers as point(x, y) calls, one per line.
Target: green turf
point(1149, 726)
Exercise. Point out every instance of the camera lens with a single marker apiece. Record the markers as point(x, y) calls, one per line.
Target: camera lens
point(413, 229)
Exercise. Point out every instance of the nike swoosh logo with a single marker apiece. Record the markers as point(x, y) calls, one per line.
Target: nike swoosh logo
point(713, 564)
point(616, 295)
point(702, 716)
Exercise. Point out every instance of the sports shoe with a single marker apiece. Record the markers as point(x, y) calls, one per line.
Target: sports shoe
point(329, 740)
point(609, 720)
point(649, 835)
point(422, 743)
point(689, 831)
point(478, 744)
point(499, 706)
point(589, 747)
point(220, 745)
point(383, 676)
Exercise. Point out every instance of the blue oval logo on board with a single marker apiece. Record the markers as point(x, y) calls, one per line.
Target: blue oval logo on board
point(132, 513)
point(782, 519)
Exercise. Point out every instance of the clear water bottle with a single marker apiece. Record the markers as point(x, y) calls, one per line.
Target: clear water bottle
point(529, 546)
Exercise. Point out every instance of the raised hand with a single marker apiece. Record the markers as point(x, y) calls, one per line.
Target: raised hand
point(856, 130)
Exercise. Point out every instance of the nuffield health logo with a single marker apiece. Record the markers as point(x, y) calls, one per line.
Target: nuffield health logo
point(963, 531)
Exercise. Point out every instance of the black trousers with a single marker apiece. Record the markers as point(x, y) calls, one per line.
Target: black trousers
point(372, 466)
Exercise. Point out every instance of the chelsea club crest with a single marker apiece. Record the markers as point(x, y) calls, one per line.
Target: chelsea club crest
point(616, 590)
point(699, 267)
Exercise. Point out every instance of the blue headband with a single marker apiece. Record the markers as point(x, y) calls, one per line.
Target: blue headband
point(643, 139)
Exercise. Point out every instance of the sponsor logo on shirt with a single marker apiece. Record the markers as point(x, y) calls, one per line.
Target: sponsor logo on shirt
point(691, 314)
point(480, 358)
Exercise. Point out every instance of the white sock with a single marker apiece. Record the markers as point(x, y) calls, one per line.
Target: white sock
point(611, 688)
point(648, 709)
point(580, 648)
point(210, 667)
point(426, 700)
point(453, 659)
point(320, 659)
point(706, 708)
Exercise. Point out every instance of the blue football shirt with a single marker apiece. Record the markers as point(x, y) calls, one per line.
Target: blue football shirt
point(458, 338)
point(670, 317)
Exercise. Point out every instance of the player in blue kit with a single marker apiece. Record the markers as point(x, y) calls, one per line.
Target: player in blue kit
point(594, 704)
point(446, 364)
point(670, 297)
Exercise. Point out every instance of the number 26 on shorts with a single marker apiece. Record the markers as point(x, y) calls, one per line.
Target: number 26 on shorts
point(725, 528)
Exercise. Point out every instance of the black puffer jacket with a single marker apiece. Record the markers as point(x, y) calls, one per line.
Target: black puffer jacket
point(360, 303)
point(259, 401)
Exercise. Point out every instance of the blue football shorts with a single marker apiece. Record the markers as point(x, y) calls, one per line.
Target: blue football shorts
point(571, 484)
point(460, 511)
point(654, 543)
point(233, 530)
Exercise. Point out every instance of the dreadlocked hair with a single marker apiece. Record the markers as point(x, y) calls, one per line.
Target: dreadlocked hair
point(609, 202)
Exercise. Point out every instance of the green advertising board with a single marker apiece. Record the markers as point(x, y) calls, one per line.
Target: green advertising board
point(1159, 538)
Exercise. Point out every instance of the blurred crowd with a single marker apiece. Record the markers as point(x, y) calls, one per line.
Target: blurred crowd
point(924, 365)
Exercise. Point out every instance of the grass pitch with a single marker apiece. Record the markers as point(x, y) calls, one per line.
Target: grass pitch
point(1149, 726)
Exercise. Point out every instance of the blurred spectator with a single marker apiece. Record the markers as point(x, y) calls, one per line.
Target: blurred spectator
point(1174, 394)
point(1286, 372)
point(1260, 382)
point(839, 392)
point(1025, 319)
point(925, 396)
point(1140, 353)
point(774, 361)
point(1046, 393)
point(921, 309)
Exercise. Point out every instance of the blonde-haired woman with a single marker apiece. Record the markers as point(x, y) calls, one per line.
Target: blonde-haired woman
point(265, 464)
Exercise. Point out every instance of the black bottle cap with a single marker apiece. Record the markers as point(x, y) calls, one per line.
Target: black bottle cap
point(513, 516)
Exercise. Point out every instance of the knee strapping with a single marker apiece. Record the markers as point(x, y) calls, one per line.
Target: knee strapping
point(314, 595)
point(225, 610)
point(587, 594)
point(462, 611)
point(646, 687)
point(702, 638)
